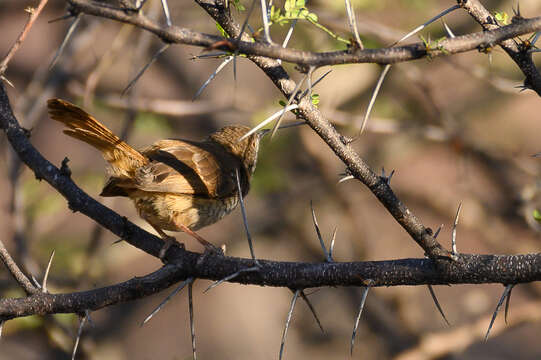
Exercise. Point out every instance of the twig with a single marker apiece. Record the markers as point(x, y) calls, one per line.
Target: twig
point(14, 270)
point(34, 13)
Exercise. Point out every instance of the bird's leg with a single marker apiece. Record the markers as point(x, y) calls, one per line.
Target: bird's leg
point(169, 241)
point(209, 247)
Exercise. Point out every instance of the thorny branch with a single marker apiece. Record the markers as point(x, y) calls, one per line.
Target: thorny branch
point(184, 264)
point(391, 55)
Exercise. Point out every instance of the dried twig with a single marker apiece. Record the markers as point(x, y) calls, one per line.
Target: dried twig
point(14, 270)
point(34, 13)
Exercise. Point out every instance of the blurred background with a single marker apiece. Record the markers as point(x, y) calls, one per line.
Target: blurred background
point(455, 129)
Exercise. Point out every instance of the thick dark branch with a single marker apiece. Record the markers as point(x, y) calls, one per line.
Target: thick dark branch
point(468, 269)
point(78, 200)
point(396, 54)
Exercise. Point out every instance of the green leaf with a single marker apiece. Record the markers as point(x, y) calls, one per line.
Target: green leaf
point(221, 30)
point(537, 215)
point(502, 17)
point(312, 17)
point(238, 5)
point(282, 103)
point(315, 99)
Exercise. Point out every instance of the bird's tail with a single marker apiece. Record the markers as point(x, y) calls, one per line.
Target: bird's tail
point(123, 159)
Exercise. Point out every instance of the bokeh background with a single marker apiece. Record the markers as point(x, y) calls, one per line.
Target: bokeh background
point(455, 129)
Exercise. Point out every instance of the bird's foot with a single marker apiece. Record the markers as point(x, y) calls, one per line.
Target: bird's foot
point(168, 242)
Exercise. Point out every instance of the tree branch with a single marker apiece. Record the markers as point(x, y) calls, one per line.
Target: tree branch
point(391, 55)
point(521, 56)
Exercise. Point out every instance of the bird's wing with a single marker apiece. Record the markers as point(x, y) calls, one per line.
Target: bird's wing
point(182, 167)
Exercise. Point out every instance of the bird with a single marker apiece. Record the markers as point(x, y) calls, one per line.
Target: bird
point(175, 184)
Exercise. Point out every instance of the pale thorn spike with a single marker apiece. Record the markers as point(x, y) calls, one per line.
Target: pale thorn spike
point(45, 277)
point(226, 61)
point(453, 234)
point(374, 95)
point(288, 320)
point(358, 318)
point(166, 300)
point(506, 292)
point(268, 120)
point(421, 27)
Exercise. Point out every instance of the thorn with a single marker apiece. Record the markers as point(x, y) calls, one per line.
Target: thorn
point(245, 219)
point(63, 17)
point(438, 231)
point(226, 61)
point(318, 232)
point(46, 276)
point(507, 301)
point(357, 319)
point(288, 36)
point(192, 324)
point(331, 247)
point(1, 327)
point(265, 16)
point(346, 178)
point(232, 276)
point(313, 310)
point(268, 120)
point(79, 333)
point(353, 24)
point(421, 27)
point(71, 29)
point(505, 294)
point(288, 320)
point(447, 29)
point(437, 303)
point(289, 101)
point(238, 38)
point(144, 68)
point(166, 12)
point(166, 300)
point(453, 235)
point(314, 84)
point(374, 95)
